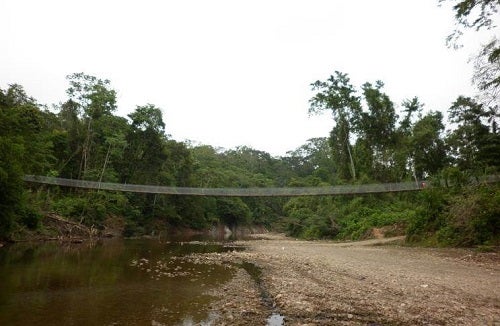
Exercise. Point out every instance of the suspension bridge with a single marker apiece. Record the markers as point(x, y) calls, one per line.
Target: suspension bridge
point(231, 192)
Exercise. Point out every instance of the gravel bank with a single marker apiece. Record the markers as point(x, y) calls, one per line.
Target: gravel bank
point(362, 283)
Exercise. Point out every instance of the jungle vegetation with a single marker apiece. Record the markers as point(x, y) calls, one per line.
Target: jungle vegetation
point(370, 143)
point(374, 140)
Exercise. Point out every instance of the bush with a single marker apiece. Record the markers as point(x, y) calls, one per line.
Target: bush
point(91, 208)
point(362, 214)
point(304, 223)
point(428, 216)
point(30, 218)
point(347, 217)
point(467, 218)
point(472, 218)
point(233, 211)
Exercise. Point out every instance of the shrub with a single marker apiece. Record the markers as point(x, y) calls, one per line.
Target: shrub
point(92, 208)
point(428, 216)
point(30, 218)
point(467, 218)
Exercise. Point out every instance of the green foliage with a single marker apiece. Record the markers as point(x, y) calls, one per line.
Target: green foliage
point(338, 95)
point(468, 139)
point(92, 208)
point(24, 149)
point(467, 217)
point(93, 95)
point(233, 211)
point(383, 151)
point(265, 210)
point(429, 150)
point(11, 185)
point(475, 14)
point(30, 218)
point(428, 218)
point(309, 217)
point(312, 159)
point(358, 216)
point(86, 140)
point(347, 218)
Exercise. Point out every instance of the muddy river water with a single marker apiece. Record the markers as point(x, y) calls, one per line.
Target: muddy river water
point(116, 282)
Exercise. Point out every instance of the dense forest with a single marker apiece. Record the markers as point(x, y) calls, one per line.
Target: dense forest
point(373, 140)
point(370, 143)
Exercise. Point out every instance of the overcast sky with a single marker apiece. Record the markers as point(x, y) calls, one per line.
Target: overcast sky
point(229, 72)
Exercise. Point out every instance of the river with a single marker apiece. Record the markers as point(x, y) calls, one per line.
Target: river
point(115, 282)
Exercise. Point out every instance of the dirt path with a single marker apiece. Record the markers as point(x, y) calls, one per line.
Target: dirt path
point(369, 283)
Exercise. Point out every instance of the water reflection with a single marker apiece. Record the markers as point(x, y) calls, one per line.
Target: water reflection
point(103, 284)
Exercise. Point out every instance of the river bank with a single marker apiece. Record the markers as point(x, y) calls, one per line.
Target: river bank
point(360, 283)
point(54, 227)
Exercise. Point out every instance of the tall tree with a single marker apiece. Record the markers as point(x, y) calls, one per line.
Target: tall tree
point(68, 140)
point(428, 150)
point(146, 151)
point(377, 130)
point(93, 95)
point(93, 99)
point(466, 141)
point(404, 159)
point(25, 148)
point(410, 107)
point(337, 95)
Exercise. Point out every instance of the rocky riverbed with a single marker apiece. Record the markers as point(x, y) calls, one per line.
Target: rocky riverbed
point(373, 282)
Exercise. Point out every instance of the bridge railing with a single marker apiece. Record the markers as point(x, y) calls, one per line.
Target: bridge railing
point(230, 192)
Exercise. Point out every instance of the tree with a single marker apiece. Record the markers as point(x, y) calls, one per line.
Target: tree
point(487, 78)
point(427, 146)
point(153, 159)
point(179, 164)
point(11, 172)
point(338, 95)
point(475, 14)
point(233, 211)
point(207, 167)
point(404, 159)
point(146, 151)
point(480, 15)
point(28, 125)
point(487, 72)
point(376, 128)
point(410, 108)
point(68, 139)
point(92, 99)
point(314, 158)
point(148, 117)
point(25, 148)
point(251, 159)
point(381, 149)
point(93, 95)
point(112, 143)
point(467, 140)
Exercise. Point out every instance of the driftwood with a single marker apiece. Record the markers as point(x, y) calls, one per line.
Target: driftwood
point(68, 229)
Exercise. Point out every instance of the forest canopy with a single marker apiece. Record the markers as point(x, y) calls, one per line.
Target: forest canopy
point(373, 141)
